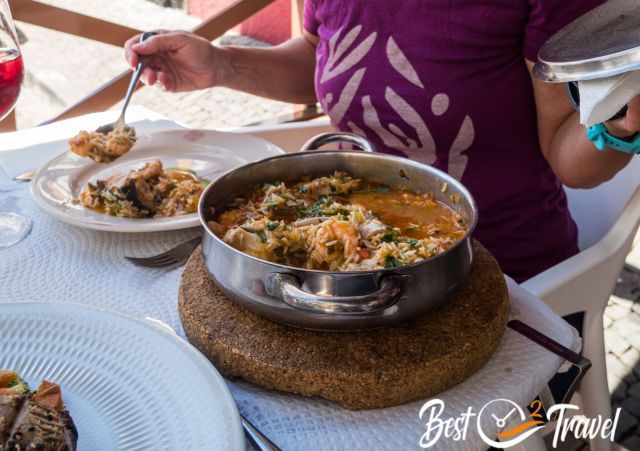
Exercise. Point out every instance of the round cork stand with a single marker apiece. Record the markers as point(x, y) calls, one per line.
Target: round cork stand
point(358, 370)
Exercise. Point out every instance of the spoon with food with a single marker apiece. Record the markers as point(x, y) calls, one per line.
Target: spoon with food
point(103, 148)
point(113, 140)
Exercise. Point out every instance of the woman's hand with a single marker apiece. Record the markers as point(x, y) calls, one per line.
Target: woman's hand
point(178, 60)
point(628, 125)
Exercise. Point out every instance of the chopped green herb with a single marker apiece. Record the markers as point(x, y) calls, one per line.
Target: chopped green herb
point(389, 236)
point(391, 262)
point(262, 235)
point(318, 208)
point(272, 225)
point(413, 242)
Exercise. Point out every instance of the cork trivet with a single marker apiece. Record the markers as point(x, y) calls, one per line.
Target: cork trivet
point(359, 370)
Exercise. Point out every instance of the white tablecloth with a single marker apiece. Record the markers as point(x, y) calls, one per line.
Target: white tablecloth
point(61, 263)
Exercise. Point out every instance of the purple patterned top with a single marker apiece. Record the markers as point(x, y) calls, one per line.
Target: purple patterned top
point(444, 82)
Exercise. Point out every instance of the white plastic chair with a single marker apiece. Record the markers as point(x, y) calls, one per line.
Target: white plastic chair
point(291, 136)
point(607, 218)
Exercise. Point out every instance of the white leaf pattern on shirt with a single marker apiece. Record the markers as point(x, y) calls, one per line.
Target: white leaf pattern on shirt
point(332, 68)
point(398, 131)
point(346, 96)
point(411, 117)
point(401, 64)
point(457, 158)
point(345, 43)
point(372, 120)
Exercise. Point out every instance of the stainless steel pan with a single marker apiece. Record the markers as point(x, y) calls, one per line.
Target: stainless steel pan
point(327, 300)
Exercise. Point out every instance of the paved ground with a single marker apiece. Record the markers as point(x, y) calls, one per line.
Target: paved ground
point(622, 337)
point(63, 69)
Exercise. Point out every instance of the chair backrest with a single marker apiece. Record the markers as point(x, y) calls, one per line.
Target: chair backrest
point(596, 210)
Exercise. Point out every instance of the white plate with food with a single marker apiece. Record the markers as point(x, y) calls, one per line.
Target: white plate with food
point(152, 187)
point(125, 384)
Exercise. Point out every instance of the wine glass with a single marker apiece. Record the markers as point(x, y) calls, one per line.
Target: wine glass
point(13, 227)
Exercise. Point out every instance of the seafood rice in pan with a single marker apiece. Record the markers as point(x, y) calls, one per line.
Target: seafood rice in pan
point(338, 223)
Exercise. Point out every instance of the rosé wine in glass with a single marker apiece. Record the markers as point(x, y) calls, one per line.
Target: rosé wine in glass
point(14, 227)
point(11, 75)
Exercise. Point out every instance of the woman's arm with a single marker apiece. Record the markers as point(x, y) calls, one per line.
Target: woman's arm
point(564, 143)
point(284, 72)
point(182, 61)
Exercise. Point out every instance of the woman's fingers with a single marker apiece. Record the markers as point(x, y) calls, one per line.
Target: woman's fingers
point(167, 81)
point(166, 42)
point(132, 45)
point(129, 54)
point(628, 125)
point(149, 76)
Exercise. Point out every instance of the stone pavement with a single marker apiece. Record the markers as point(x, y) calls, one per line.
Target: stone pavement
point(622, 338)
point(62, 69)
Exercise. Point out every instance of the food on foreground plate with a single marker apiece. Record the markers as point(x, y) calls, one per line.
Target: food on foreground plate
point(33, 421)
point(339, 223)
point(148, 192)
point(103, 148)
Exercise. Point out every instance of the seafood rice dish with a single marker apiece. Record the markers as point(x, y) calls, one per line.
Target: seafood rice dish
point(103, 148)
point(338, 223)
point(150, 191)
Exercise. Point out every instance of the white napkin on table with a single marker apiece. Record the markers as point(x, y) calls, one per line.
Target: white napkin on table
point(601, 99)
point(24, 150)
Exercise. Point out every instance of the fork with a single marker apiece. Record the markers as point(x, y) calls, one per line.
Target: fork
point(173, 257)
point(259, 441)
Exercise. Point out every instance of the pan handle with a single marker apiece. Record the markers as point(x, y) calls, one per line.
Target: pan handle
point(338, 137)
point(287, 287)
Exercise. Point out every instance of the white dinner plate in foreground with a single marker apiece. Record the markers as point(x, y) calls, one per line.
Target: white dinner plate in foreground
point(129, 385)
point(208, 153)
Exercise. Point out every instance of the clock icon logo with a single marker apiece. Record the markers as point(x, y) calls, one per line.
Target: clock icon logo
point(501, 412)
